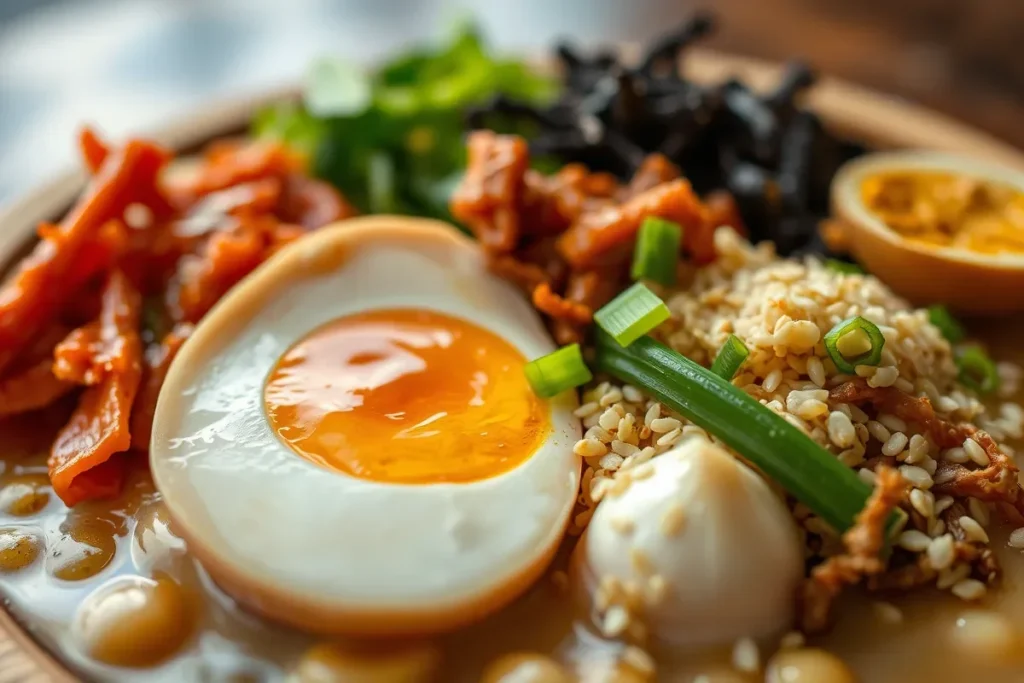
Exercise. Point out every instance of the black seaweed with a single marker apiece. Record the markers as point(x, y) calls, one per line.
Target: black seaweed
point(775, 157)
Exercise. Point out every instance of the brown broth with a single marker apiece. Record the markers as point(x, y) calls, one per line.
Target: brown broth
point(52, 559)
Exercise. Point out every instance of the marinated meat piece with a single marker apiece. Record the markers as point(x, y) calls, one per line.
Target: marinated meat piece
point(488, 198)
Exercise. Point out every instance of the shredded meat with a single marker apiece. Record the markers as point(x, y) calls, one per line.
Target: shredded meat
point(487, 200)
point(81, 461)
point(567, 239)
point(996, 483)
point(862, 558)
point(71, 316)
point(558, 307)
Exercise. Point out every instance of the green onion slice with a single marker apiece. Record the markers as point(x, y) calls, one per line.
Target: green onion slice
point(853, 342)
point(844, 267)
point(730, 357)
point(949, 326)
point(632, 314)
point(977, 370)
point(656, 254)
point(784, 453)
point(562, 369)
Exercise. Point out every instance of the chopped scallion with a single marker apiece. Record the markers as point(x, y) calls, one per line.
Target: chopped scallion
point(949, 326)
point(803, 468)
point(977, 370)
point(632, 314)
point(656, 254)
point(844, 267)
point(730, 357)
point(552, 374)
point(854, 342)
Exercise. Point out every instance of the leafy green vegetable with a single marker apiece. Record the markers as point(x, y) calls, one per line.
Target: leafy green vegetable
point(336, 88)
point(392, 139)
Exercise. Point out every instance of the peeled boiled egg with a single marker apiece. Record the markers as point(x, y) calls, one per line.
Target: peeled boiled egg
point(348, 443)
point(710, 534)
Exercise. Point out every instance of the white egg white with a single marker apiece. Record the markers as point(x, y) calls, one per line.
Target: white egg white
point(319, 549)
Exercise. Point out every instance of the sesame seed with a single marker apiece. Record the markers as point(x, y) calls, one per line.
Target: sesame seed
point(670, 438)
point(913, 540)
point(879, 431)
point(772, 381)
point(745, 656)
point(969, 589)
point(612, 396)
point(610, 462)
point(840, 429)
point(586, 409)
point(600, 433)
point(609, 420)
point(941, 552)
point(916, 476)
point(664, 425)
point(816, 370)
point(972, 530)
point(946, 405)
point(624, 449)
point(673, 519)
point(641, 563)
point(976, 452)
point(923, 502)
point(657, 589)
point(589, 448)
point(892, 422)
point(979, 511)
point(942, 504)
point(653, 413)
point(955, 455)
point(867, 476)
point(918, 449)
point(615, 621)
point(1016, 539)
point(632, 394)
point(895, 445)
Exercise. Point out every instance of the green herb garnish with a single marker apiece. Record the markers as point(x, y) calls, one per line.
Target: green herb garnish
point(656, 253)
point(854, 342)
point(391, 139)
point(558, 371)
point(632, 314)
point(949, 326)
point(730, 357)
point(977, 370)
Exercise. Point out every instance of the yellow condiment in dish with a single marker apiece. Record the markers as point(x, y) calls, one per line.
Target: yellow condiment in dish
point(948, 209)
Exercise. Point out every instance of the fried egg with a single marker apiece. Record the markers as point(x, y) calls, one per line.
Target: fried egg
point(348, 443)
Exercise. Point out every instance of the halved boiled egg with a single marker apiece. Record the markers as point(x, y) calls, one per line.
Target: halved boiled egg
point(349, 445)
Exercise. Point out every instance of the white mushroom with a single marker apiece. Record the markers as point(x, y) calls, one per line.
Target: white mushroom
point(714, 549)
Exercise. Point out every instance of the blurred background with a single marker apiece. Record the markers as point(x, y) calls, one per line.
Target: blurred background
point(129, 65)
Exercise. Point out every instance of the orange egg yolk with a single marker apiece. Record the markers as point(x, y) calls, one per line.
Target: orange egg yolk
point(406, 396)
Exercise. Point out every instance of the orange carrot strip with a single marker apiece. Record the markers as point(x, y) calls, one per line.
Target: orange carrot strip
point(52, 273)
point(81, 463)
point(158, 361)
point(31, 389)
point(94, 150)
point(93, 351)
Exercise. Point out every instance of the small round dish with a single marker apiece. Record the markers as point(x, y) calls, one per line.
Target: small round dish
point(962, 279)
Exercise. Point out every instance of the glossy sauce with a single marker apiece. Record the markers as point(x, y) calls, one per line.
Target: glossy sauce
point(126, 546)
point(379, 395)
